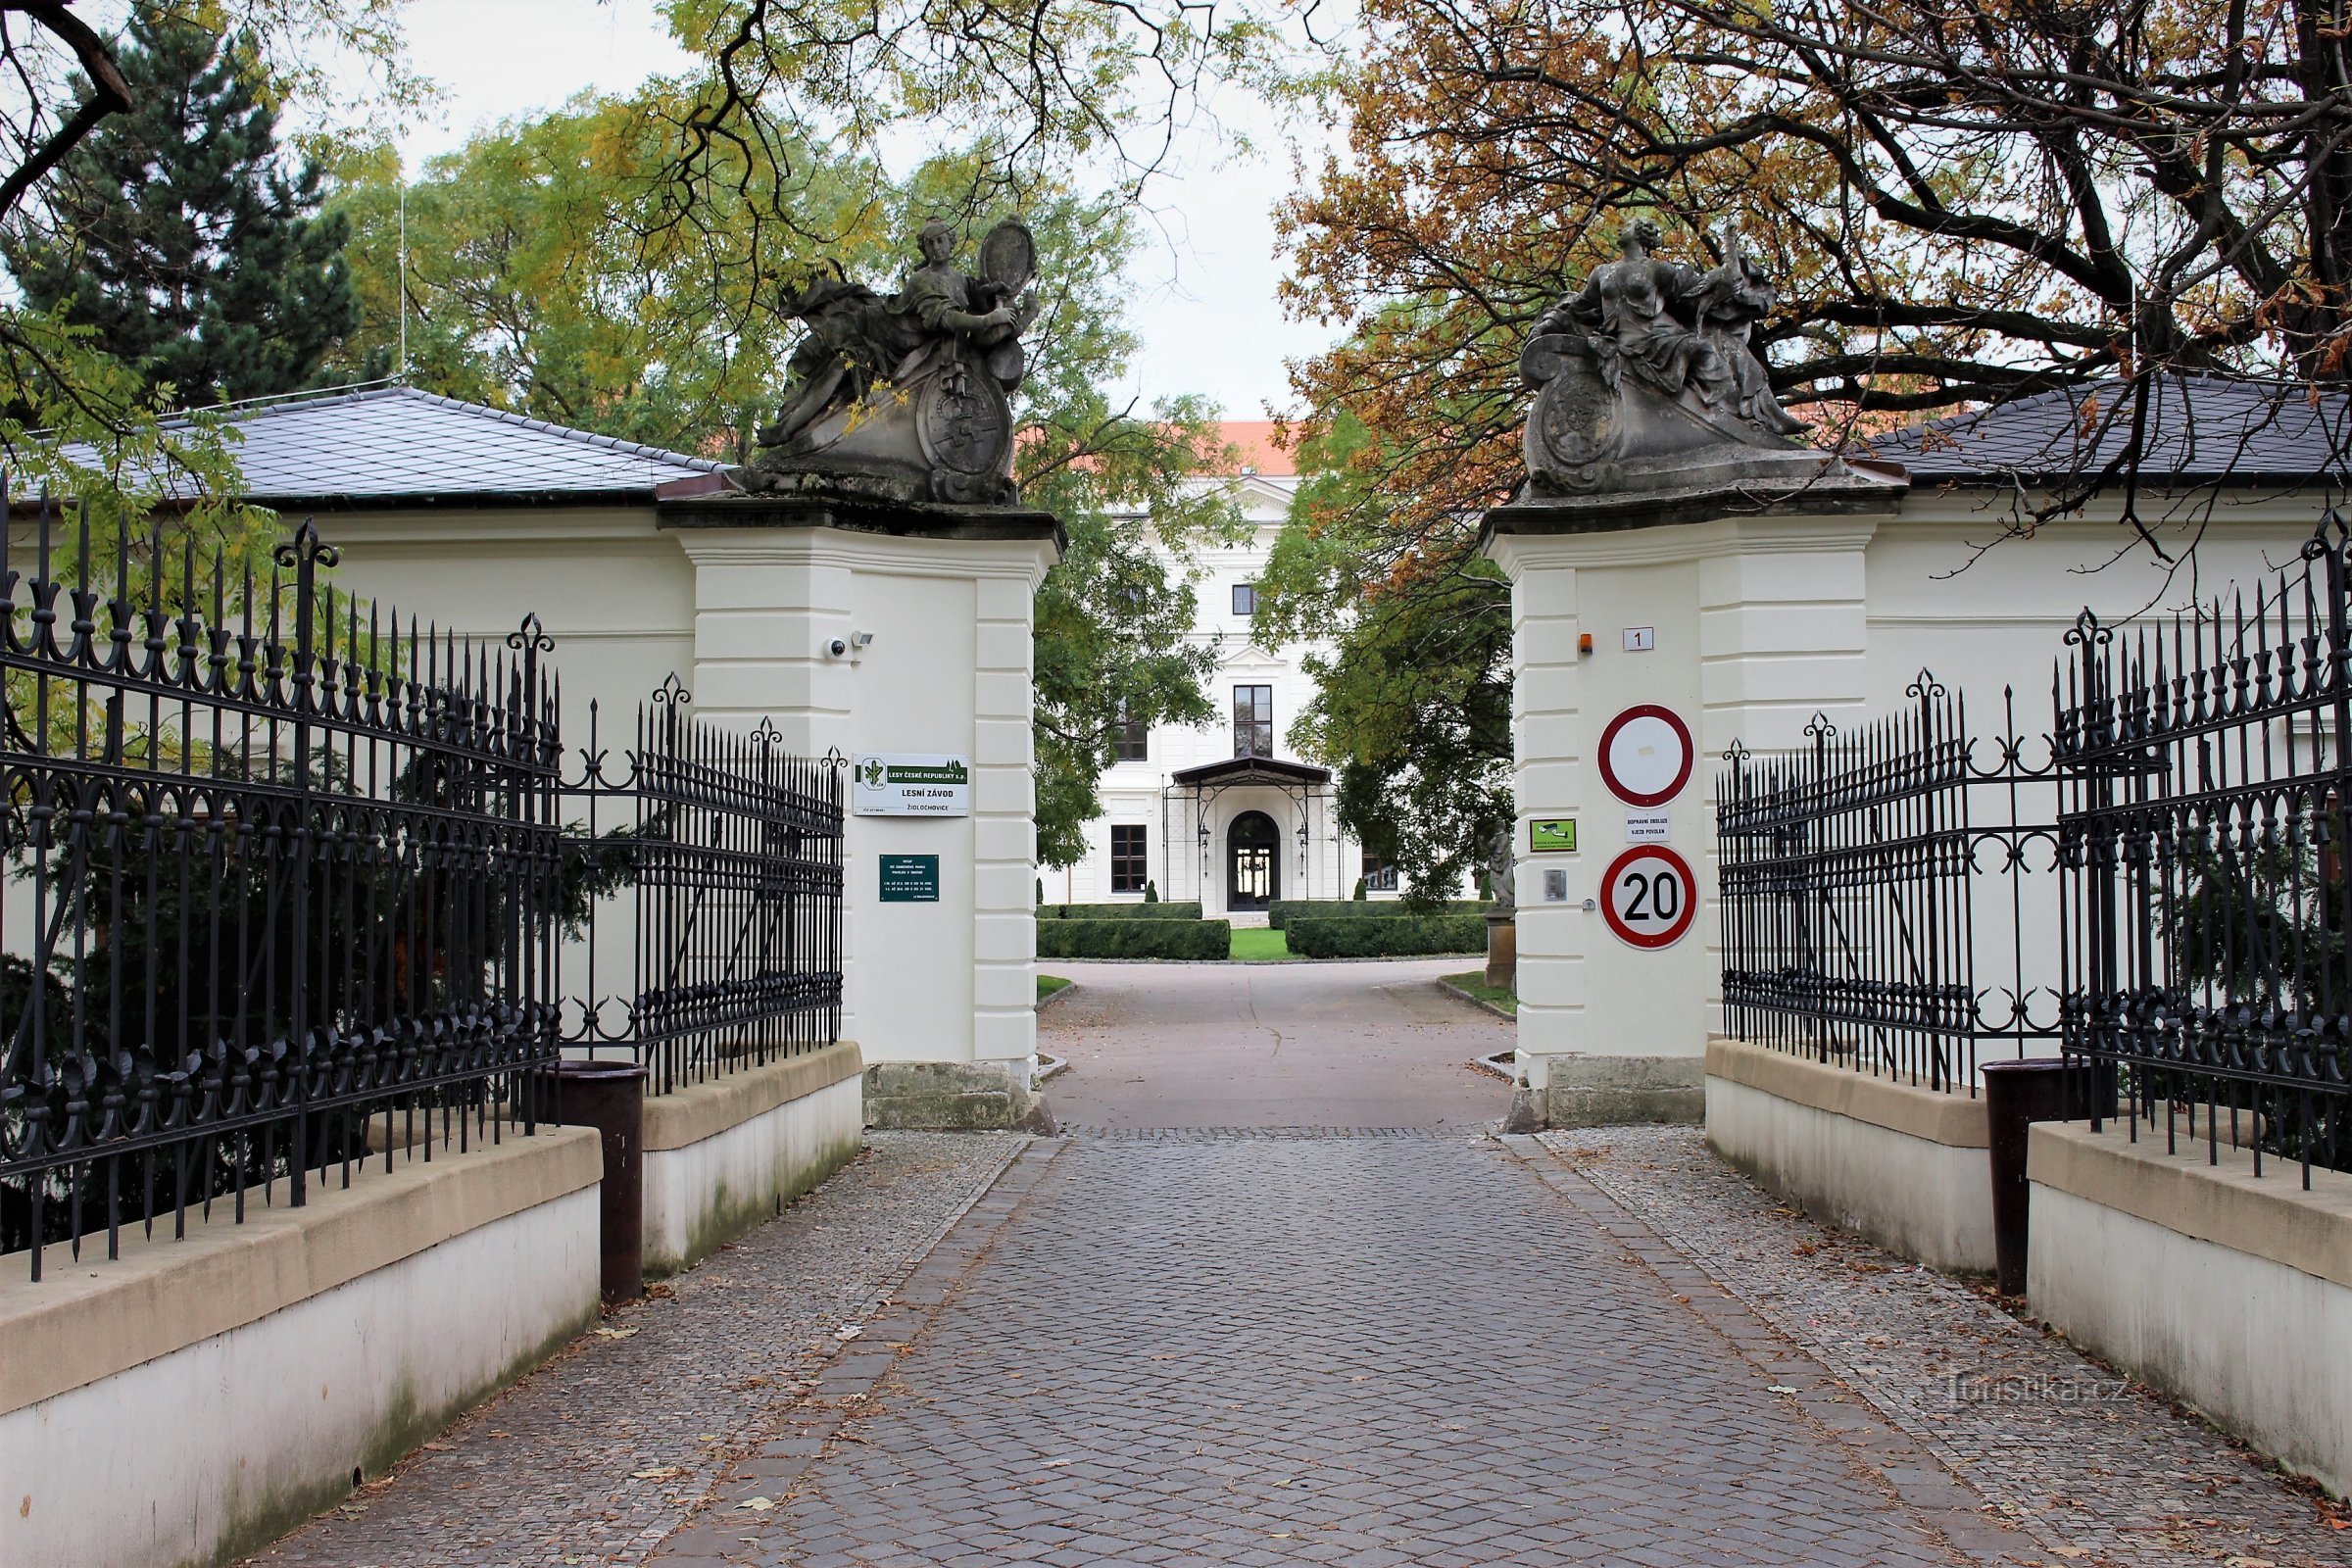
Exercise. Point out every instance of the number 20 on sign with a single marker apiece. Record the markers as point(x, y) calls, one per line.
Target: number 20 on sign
point(1648, 896)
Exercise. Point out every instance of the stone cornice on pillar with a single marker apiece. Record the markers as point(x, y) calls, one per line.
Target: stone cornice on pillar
point(1780, 531)
point(915, 521)
point(1630, 527)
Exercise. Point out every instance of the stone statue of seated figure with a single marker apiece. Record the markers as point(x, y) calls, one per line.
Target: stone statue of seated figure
point(1650, 363)
point(904, 397)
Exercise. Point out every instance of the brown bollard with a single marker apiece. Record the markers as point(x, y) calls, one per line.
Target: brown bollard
point(609, 1097)
point(2017, 1094)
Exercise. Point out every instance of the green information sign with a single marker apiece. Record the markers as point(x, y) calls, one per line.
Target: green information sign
point(910, 879)
point(1558, 836)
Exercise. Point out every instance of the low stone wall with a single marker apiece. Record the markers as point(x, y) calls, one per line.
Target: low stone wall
point(194, 1399)
point(1902, 1165)
point(723, 1155)
point(2230, 1291)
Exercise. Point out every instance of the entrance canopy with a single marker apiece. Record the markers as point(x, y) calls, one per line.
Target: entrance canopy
point(1235, 772)
point(1253, 857)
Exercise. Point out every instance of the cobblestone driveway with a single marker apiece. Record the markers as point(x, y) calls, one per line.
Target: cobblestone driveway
point(1258, 1347)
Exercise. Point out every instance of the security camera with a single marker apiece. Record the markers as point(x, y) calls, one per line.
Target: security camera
point(838, 648)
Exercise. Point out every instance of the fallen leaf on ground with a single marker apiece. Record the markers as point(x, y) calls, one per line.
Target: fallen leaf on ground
point(659, 1472)
point(757, 1504)
point(848, 1332)
point(616, 1334)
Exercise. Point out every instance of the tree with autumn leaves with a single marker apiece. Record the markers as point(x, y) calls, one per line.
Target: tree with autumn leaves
point(1963, 202)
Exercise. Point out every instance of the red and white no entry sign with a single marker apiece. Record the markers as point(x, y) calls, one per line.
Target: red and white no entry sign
point(1648, 896)
point(1647, 755)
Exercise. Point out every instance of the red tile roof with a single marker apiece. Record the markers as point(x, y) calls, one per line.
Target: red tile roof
point(1255, 440)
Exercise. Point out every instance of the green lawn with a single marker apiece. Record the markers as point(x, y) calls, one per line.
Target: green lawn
point(1047, 984)
point(1475, 982)
point(1258, 941)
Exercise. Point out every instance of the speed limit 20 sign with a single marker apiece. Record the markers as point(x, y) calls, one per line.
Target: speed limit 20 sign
point(1648, 896)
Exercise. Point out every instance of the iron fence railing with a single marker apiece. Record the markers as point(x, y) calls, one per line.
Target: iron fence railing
point(715, 858)
point(2158, 887)
point(280, 874)
point(289, 887)
point(1875, 908)
point(2205, 766)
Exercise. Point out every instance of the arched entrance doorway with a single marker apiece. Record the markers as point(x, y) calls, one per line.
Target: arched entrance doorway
point(1252, 862)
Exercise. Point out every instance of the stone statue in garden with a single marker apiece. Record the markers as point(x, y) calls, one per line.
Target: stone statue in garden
point(902, 397)
point(1502, 869)
point(1647, 377)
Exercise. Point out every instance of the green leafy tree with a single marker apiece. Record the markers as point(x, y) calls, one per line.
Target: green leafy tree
point(1412, 704)
point(180, 234)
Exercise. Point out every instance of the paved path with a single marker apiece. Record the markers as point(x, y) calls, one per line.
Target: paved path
point(1362, 1348)
point(1271, 1044)
point(1392, 1339)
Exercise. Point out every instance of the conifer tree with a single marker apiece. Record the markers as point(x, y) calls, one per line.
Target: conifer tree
point(182, 233)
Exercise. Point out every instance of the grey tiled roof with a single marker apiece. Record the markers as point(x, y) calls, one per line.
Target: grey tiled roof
point(391, 444)
point(2198, 429)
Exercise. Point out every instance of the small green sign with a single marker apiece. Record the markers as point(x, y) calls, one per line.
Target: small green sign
point(909, 880)
point(1558, 836)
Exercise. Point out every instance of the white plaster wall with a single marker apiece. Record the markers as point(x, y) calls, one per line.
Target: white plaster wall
point(1922, 1199)
point(948, 670)
point(695, 1195)
point(132, 1471)
point(2255, 1344)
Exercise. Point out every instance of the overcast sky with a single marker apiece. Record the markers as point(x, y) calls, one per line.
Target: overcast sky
point(1204, 303)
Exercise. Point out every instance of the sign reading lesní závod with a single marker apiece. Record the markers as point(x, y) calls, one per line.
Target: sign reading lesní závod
point(910, 784)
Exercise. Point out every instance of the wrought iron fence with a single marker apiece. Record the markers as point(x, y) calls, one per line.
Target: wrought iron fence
point(2162, 892)
point(2205, 766)
point(1875, 908)
point(709, 865)
point(290, 888)
point(280, 884)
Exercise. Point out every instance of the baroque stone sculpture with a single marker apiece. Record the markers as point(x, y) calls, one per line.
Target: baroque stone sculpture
point(902, 397)
point(1646, 379)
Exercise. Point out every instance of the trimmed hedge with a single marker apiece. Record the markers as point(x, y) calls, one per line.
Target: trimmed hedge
point(1387, 939)
point(1282, 911)
point(1135, 939)
point(1118, 911)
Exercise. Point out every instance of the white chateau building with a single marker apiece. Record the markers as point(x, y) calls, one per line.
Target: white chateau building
point(1223, 814)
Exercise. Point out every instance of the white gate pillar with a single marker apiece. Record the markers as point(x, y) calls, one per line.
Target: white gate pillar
point(1740, 627)
point(899, 631)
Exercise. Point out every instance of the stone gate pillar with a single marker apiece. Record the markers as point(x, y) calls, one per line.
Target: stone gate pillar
point(1632, 620)
point(900, 630)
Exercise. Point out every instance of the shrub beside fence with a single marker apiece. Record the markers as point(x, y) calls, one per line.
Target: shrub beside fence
point(1402, 936)
point(1282, 911)
point(1133, 939)
point(1120, 912)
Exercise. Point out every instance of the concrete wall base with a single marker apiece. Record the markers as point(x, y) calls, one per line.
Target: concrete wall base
point(2230, 1291)
point(955, 1096)
point(1902, 1165)
point(1624, 1090)
point(725, 1155)
point(194, 1399)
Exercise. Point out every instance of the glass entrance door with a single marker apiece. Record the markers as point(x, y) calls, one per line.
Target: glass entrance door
point(1254, 870)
